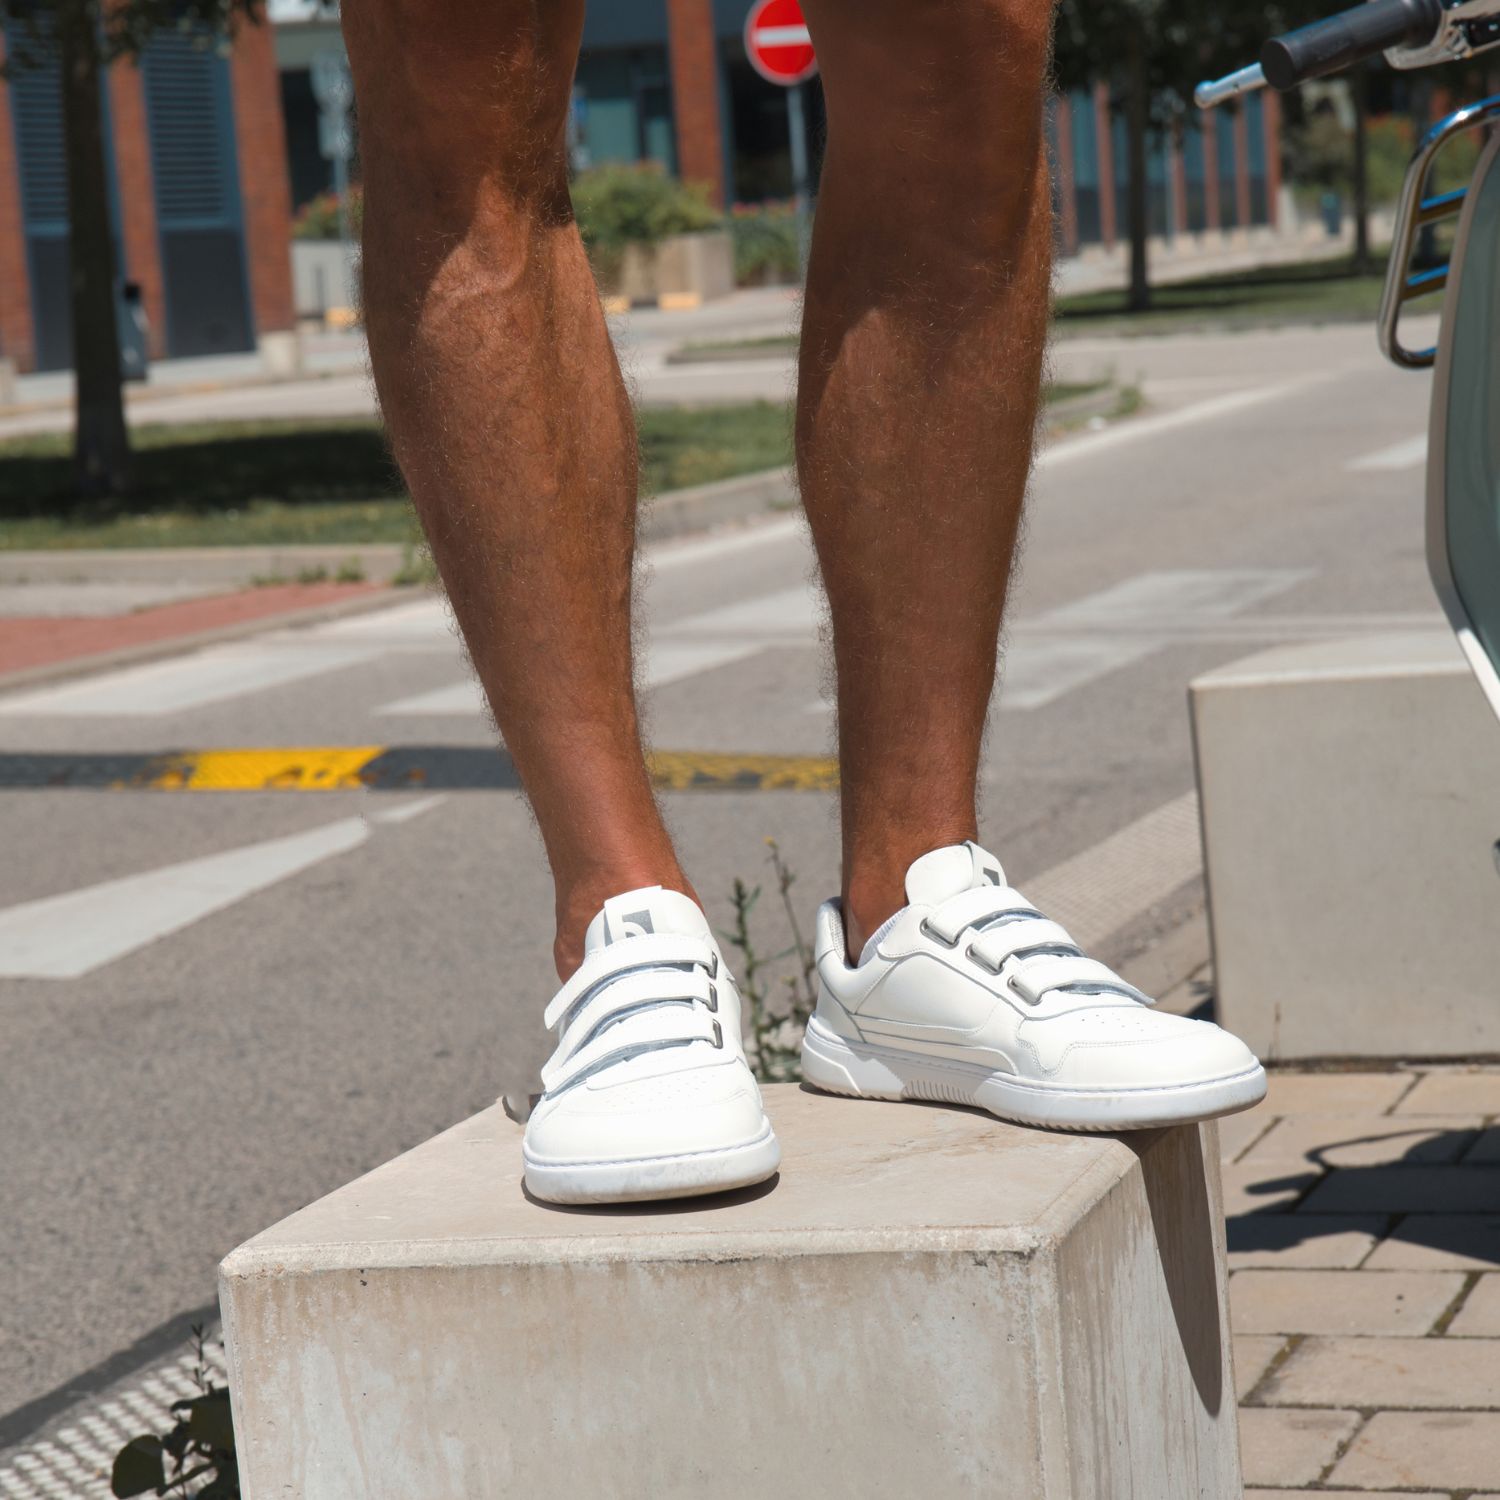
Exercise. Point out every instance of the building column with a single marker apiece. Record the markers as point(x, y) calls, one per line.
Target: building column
point(1209, 134)
point(1106, 140)
point(17, 332)
point(1067, 202)
point(1242, 166)
point(695, 95)
point(265, 189)
point(1273, 156)
point(1178, 169)
point(141, 250)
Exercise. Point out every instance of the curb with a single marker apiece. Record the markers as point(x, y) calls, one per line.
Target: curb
point(673, 513)
point(178, 645)
point(681, 512)
point(379, 561)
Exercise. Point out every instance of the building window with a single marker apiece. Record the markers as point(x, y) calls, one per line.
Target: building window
point(1224, 159)
point(1255, 130)
point(1080, 104)
point(623, 107)
point(1195, 177)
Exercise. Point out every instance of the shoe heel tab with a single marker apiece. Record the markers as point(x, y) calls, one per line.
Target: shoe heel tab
point(828, 931)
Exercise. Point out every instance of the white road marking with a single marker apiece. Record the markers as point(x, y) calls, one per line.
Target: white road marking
point(677, 553)
point(183, 682)
point(1105, 888)
point(72, 934)
point(1408, 455)
point(666, 661)
point(404, 812)
point(1149, 427)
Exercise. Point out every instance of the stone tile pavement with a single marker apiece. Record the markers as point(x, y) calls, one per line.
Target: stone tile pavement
point(1364, 1254)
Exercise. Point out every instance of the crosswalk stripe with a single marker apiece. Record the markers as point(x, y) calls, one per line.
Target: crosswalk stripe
point(184, 682)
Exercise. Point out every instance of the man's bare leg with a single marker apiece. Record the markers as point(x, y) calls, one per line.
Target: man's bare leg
point(506, 409)
point(922, 350)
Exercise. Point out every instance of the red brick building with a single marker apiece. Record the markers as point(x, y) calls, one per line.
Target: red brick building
point(199, 198)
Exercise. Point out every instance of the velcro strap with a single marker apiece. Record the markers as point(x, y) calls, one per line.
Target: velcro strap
point(634, 991)
point(996, 944)
point(643, 1031)
point(1037, 977)
point(659, 948)
point(983, 904)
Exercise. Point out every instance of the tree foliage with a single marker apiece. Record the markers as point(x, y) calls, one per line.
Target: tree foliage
point(82, 39)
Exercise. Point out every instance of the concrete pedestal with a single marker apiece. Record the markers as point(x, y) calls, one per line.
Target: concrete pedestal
point(1351, 804)
point(925, 1302)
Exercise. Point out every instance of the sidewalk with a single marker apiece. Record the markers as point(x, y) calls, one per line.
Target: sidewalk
point(91, 626)
point(1364, 1250)
point(1364, 1246)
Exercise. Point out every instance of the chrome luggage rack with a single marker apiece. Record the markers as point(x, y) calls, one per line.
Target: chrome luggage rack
point(1413, 213)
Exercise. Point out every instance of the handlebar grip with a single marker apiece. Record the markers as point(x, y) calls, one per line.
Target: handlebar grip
point(1327, 46)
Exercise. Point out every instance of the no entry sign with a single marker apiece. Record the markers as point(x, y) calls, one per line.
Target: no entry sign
point(777, 43)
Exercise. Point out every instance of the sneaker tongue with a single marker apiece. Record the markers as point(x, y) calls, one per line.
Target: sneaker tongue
point(653, 908)
point(945, 872)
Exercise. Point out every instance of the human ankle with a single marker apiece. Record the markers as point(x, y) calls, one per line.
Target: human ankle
point(579, 900)
point(875, 880)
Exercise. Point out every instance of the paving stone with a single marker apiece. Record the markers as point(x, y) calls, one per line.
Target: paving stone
point(1353, 1495)
point(1237, 1131)
point(1487, 1147)
point(1440, 1242)
point(1420, 1190)
point(1365, 1302)
point(1334, 1093)
point(1449, 1449)
point(1285, 1448)
point(1303, 1241)
point(1479, 1317)
point(1454, 1093)
point(1263, 1189)
point(1253, 1352)
point(1364, 1140)
point(1443, 1373)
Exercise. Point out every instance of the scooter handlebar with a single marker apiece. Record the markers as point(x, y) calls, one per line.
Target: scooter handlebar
point(1349, 37)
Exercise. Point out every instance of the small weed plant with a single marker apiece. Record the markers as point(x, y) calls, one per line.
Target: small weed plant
point(777, 1003)
point(196, 1456)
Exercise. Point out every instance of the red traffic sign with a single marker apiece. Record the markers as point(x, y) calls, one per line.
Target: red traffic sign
point(777, 42)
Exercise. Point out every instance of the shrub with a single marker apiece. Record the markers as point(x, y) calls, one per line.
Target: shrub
point(765, 243)
point(318, 219)
point(622, 205)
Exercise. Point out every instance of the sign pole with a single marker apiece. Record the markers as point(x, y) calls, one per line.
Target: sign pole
point(797, 129)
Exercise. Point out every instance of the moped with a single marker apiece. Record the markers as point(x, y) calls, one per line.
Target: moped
point(1463, 449)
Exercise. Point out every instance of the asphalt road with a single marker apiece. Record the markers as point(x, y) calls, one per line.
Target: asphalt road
point(191, 1051)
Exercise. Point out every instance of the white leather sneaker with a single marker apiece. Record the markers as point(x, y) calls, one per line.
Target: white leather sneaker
point(648, 1094)
point(970, 995)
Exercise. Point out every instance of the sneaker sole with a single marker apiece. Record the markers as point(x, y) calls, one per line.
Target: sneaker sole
point(643, 1179)
point(859, 1070)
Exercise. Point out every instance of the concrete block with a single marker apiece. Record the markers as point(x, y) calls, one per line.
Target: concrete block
point(1351, 804)
point(926, 1301)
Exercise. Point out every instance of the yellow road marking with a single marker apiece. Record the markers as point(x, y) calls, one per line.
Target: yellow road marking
point(294, 770)
point(345, 767)
point(683, 770)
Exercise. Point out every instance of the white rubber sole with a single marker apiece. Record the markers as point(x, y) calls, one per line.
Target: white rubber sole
point(643, 1179)
point(864, 1071)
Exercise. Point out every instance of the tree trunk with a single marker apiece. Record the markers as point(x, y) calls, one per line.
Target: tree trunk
point(101, 444)
point(1358, 93)
point(1137, 112)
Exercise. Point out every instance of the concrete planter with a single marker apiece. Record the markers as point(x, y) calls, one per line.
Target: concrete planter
point(324, 277)
point(684, 266)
